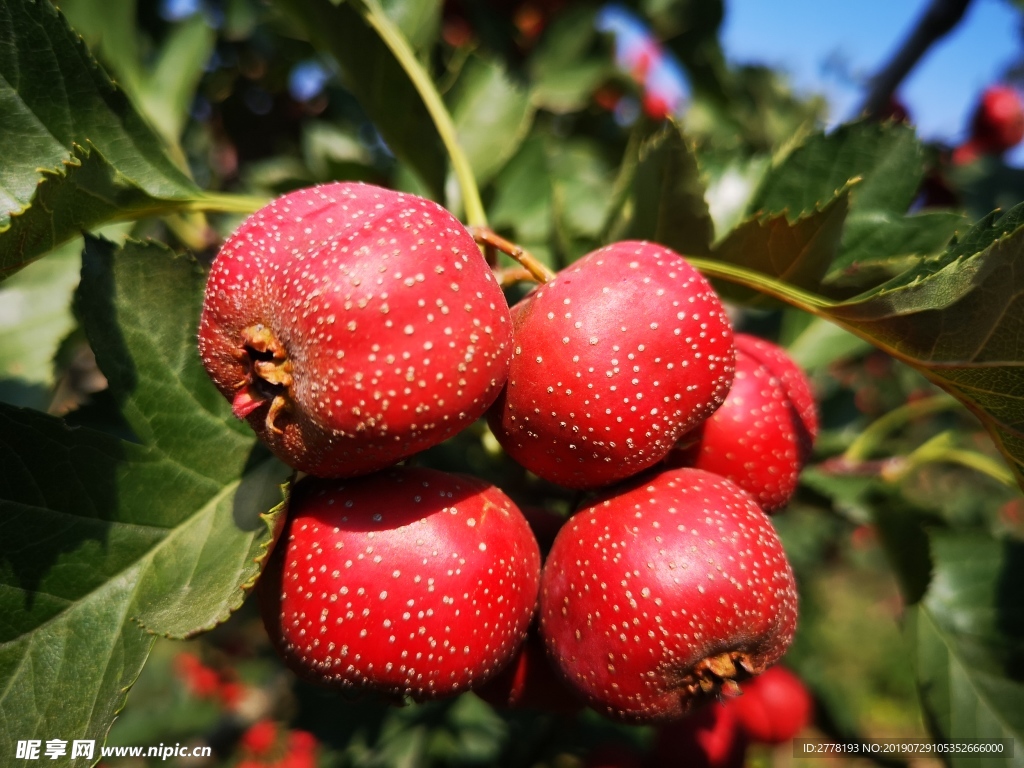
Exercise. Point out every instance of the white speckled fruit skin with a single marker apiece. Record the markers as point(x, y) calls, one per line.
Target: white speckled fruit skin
point(756, 439)
point(398, 334)
point(408, 582)
point(656, 576)
point(613, 360)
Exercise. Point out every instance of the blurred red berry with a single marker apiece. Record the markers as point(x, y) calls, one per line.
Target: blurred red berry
point(997, 125)
point(200, 680)
point(709, 738)
point(775, 706)
point(260, 738)
point(655, 107)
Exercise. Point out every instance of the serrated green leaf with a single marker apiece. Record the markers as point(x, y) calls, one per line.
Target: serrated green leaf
point(798, 252)
point(967, 637)
point(492, 116)
point(887, 158)
point(668, 195)
point(377, 79)
point(956, 318)
point(76, 153)
point(105, 540)
point(879, 244)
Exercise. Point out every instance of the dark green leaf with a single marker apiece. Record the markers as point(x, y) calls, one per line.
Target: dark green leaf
point(76, 153)
point(967, 638)
point(668, 195)
point(105, 540)
point(957, 319)
point(522, 201)
point(377, 79)
point(878, 244)
point(492, 116)
point(887, 158)
point(565, 69)
point(798, 252)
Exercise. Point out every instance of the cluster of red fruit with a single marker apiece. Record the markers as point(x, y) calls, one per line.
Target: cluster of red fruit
point(354, 326)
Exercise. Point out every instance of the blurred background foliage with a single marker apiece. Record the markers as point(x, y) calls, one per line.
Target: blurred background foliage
point(261, 98)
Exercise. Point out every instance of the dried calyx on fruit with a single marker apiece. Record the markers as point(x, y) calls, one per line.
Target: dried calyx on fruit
point(614, 359)
point(664, 593)
point(353, 326)
point(408, 582)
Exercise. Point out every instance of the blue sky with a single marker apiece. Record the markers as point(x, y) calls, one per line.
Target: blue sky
point(801, 37)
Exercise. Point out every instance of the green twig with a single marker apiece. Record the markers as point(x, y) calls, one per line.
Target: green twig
point(399, 46)
point(942, 449)
point(872, 437)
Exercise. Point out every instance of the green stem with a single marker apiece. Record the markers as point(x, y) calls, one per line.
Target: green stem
point(872, 437)
point(218, 202)
point(769, 286)
point(399, 46)
point(941, 449)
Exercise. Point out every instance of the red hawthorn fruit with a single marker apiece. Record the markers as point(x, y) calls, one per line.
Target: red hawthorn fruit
point(353, 326)
point(409, 582)
point(613, 361)
point(711, 737)
point(260, 738)
point(775, 706)
point(663, 593)
point(793, 379)
point(998, 122)
point(756, 439)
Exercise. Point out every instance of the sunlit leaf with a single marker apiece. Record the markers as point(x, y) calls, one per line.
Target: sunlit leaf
point(668, 195)
point(106, 541)
point(76, 153)
point(492, 116)
point(886, 158)
point(967, 641)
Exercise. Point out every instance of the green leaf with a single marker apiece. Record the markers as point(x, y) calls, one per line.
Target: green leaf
point(377, 79)
point(76, 153)
point(522, 200)
point(565, 70)
point(106, 541)
point(953, 317)
point(419, 20)
point(878, 244)
point(956, 318)
point(492, 116)
point(35, 315)
point(886, 157)
point(166, 93)
point(967, 637)
point(668, 195)
point(798, 252)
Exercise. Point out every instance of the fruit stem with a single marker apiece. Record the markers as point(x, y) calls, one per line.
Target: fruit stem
point(488, 237)
point(219, 202)
point(399, 46)
point(872, 437)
